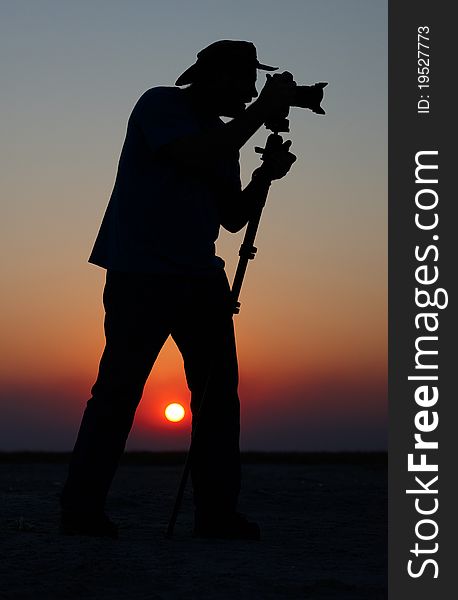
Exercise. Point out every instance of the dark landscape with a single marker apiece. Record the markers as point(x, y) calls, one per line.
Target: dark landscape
point(323, 518)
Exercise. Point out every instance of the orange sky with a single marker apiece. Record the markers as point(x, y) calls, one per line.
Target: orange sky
point(312, 332)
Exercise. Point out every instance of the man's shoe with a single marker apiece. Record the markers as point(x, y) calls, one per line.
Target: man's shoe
point(97, 525)
point(232, 526)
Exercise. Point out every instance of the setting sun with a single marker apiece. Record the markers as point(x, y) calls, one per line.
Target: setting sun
point(174, 412)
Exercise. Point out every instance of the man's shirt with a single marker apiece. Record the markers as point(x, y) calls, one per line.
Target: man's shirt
point(162, 216)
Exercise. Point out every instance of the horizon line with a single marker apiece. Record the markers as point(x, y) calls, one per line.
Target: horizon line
point(177, 457)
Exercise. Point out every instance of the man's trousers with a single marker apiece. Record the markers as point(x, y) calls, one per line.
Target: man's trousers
point(141, 311)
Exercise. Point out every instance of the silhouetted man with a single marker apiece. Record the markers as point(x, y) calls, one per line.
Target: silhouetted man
point(178, 180)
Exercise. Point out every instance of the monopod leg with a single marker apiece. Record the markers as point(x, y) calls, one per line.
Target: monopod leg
point(187, 467)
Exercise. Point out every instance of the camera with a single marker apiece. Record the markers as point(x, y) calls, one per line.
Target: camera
point(310, 96)
point(304, 96)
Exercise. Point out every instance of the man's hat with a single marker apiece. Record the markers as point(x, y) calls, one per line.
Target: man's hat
point(224, 53)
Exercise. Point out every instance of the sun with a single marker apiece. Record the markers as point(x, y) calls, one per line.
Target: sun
point(174, 412)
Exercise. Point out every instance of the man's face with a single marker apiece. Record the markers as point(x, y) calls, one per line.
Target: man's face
point(232, 90)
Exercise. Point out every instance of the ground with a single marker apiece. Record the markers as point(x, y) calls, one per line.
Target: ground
point(323, 521)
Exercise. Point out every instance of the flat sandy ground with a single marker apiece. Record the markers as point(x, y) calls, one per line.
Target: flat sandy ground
point(324, 536)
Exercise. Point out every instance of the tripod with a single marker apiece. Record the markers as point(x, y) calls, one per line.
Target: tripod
point(246, 253)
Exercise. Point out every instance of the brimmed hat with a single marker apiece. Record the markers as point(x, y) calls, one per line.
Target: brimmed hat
point(224, 53)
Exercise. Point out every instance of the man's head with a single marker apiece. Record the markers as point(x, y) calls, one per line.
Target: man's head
point(225, 75)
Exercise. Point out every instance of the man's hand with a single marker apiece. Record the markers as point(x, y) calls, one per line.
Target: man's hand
point(277, 161)
point(236, 210)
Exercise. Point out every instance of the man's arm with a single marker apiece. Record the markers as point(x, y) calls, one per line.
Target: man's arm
point(237, 209)
point(199, 150)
